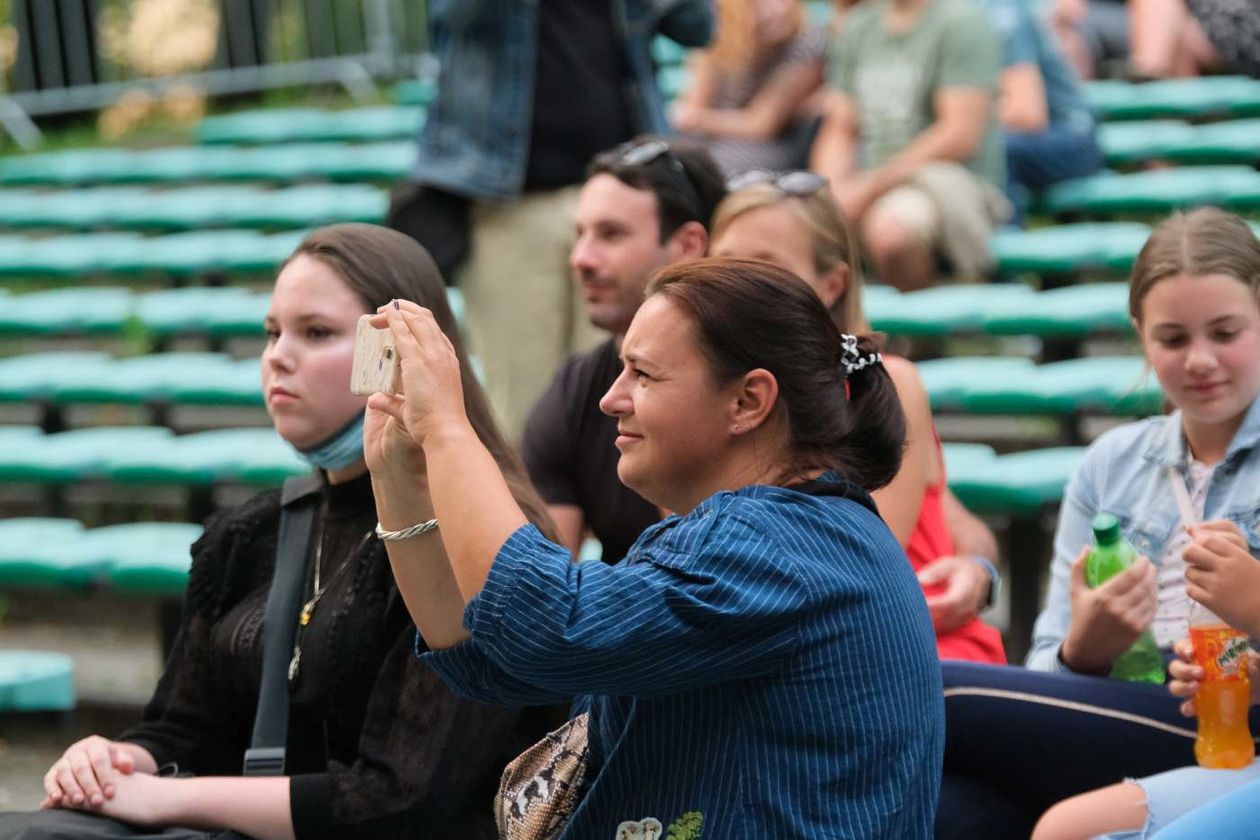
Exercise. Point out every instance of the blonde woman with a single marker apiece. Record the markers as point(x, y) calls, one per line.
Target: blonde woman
point(749, 92)
point(792, 221)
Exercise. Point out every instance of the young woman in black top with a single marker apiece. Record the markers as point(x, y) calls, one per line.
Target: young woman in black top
point(378, 747)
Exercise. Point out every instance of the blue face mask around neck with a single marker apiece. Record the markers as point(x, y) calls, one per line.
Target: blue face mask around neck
point(339, 451)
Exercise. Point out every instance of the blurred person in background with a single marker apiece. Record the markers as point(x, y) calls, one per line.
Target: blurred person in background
point(750, 91)
point(791, 220)
point(379, 747)
point(1049, 128)
point(528, 93)
point(645, 205)
point(910, 139)
point(1092, 33)
point(1177, 38)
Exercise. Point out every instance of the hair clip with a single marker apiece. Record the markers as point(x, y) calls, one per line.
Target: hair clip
point(851, 357)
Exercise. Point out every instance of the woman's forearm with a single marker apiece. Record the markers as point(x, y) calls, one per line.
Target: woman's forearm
point(475, 508)
point(258, 807)
point(420, 565)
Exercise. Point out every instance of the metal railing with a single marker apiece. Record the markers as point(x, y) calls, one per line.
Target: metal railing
point(262, 44)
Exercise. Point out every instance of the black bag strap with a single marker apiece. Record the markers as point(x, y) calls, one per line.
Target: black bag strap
point(265, 756)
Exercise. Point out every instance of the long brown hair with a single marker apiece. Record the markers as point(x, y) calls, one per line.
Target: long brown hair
point(751, 315)
point(1203, 241)
point(378, 265)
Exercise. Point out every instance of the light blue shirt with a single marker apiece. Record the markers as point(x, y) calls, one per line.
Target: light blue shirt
point(766, 660)
point(1026, 40)
point(1125, 472)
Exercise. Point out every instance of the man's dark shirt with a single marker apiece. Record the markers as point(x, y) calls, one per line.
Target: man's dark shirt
point(579, 104)
point(569, 449)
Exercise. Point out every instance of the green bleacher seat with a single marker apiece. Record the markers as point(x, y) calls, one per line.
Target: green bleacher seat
point(257, 456)
point(966, 456)
point(70, 257)
point(1236, 141)
point(1096, 385)
point(149, 558)
point(238, 383)
point(36, 681)
point(136, 380)
point(1135, 142)
point(126, 254)
point(945, 310)
point(948, 380)
point(673, 80)
point(1199, 98)
point(216, 311)
point(91, 310)
point(1069, 312)
point(1020, 484)
point(1069, 248)
point(415, 91)
point(304, 125)
point(281, 163)
point(34, 377)
point(34, 552)
point(667, 52)
point(78, 455)
point(197, 208)
point(1158, 191)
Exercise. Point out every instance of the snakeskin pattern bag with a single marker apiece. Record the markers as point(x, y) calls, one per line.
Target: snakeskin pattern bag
point(541, 787)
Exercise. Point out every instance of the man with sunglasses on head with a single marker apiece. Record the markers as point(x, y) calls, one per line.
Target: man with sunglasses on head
point(645, 204)
point(527, 93)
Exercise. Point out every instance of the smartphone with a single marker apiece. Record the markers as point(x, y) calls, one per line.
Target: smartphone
point(375, 366)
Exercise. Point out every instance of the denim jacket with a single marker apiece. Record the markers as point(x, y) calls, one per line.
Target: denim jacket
point(475, 140)
point(1125, 472)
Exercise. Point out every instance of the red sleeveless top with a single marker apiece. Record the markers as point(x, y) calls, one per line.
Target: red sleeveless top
point(930, 541)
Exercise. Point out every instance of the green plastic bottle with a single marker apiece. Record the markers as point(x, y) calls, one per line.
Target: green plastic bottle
point(1111, 555)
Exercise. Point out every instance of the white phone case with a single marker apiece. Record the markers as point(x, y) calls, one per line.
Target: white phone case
point(375, 360)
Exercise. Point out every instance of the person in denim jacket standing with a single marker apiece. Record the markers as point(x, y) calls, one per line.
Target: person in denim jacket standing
point(1019, 741)
point(529, 91)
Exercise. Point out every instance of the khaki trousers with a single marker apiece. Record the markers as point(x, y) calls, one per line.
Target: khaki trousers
point(524, 311)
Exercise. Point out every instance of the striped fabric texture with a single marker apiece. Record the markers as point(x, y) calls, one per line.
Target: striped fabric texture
point(763, 666)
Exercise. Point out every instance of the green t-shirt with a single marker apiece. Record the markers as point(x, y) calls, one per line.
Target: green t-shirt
point(892, 77)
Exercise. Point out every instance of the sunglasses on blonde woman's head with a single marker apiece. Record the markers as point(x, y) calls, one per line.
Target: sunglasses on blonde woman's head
point(797, 182)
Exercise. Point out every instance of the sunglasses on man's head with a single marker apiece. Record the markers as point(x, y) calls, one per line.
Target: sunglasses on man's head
point(798, 182)
point(643, 152)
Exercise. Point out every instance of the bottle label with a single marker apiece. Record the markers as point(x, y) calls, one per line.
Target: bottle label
point(1219, 651)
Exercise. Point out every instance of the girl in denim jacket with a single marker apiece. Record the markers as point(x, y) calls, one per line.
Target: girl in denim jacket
point(1195, 302)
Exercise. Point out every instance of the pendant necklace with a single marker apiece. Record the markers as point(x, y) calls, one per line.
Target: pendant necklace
point(317, 592)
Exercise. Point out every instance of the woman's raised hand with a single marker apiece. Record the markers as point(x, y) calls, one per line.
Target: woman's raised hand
point(432, 396)
point(84, 776)
point(1107, 621)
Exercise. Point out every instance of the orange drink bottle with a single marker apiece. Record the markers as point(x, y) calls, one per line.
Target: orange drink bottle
point(1224, 694)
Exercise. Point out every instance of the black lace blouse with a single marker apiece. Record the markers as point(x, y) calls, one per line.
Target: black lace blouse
point(378, 746)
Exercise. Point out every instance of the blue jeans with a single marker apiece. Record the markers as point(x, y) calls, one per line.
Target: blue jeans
point(1193, 802)
point(1231, 817)
point(1018, 741)
point(1035, 161)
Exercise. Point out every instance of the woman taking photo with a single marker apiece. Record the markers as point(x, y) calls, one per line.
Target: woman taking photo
point(791, 220)
point(761, 662)
point(378, 746)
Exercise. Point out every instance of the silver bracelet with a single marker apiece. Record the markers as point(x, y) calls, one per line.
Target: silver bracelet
point(408, 532)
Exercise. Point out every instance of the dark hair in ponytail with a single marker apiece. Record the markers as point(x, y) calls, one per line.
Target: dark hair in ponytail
point(752, 315)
